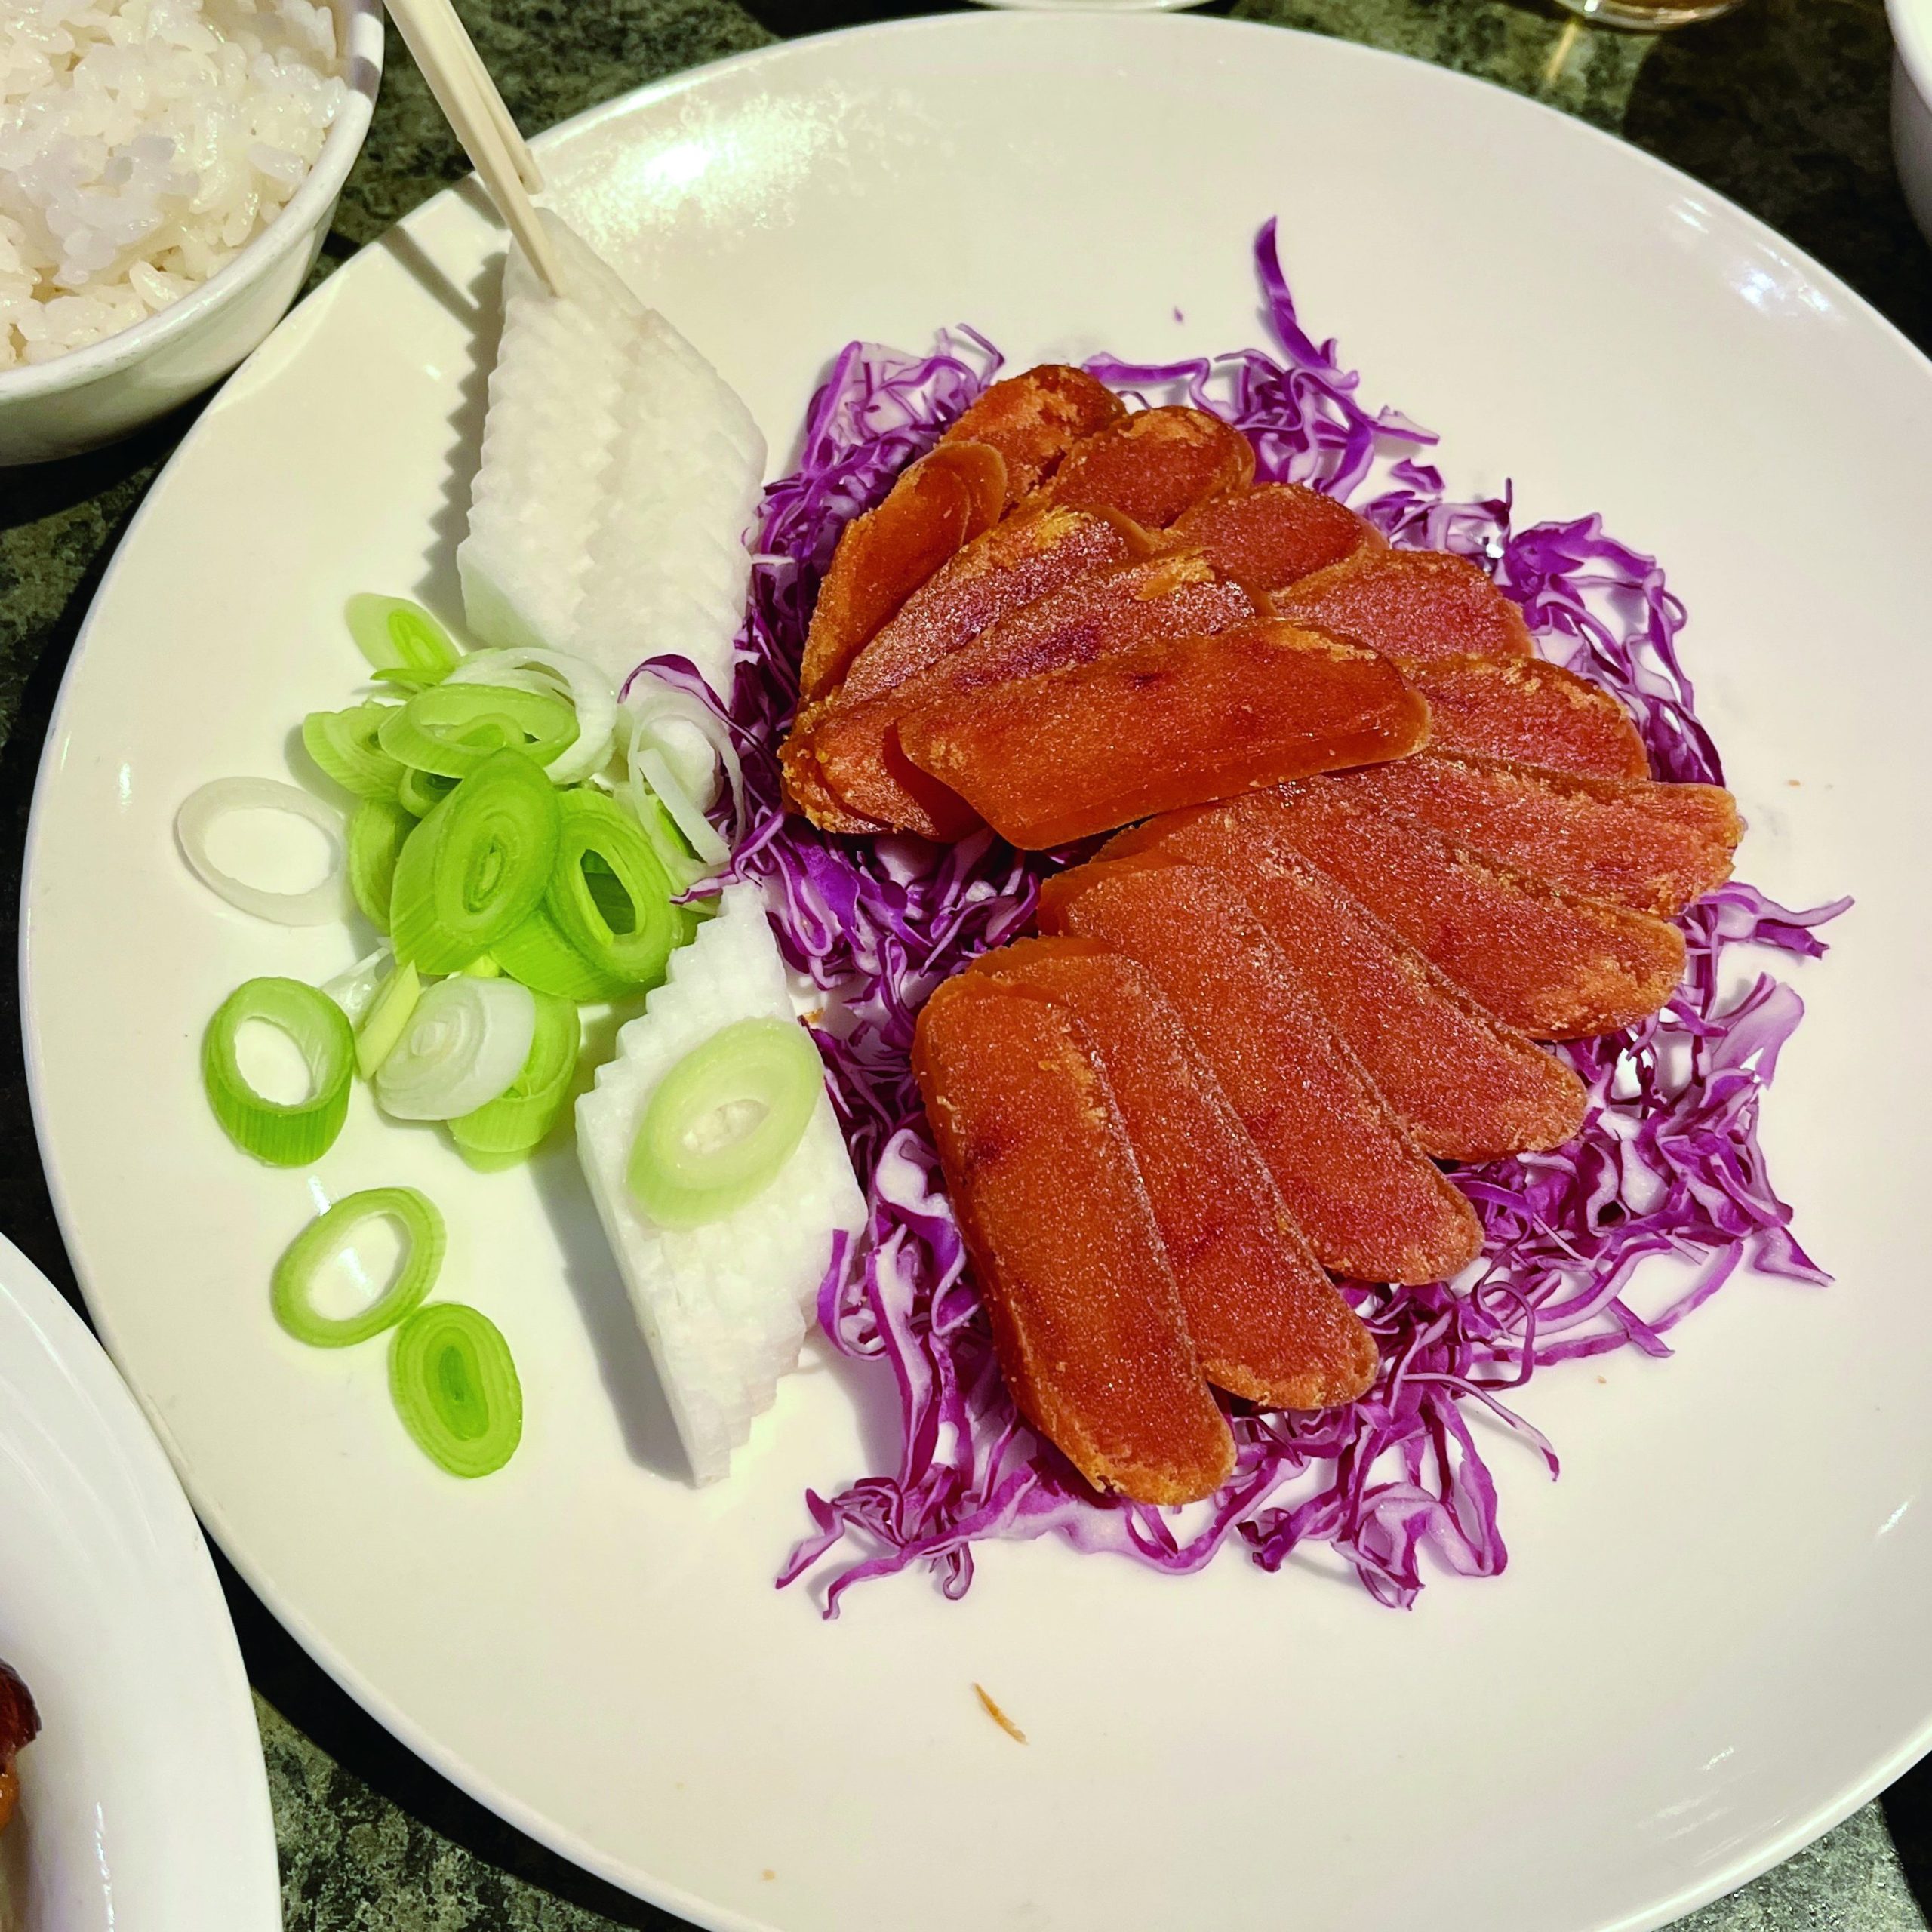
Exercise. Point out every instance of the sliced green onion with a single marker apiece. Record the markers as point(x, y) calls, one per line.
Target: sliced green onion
point(348, 746)
point(537, 954)
point(420, 792)
point(554, 674)
point(455, 1386)
point(355, 988)
point(403, 643)
point(633, 951)
point(329, 1236)
point(682, 866)
point(388, 1014)
point(519, 1117)
point(283, 1133)
point(477, 867)
point(377, 828)
point(202, 807)
point(466, 1041)
point(704, 837)
point(483, 967)
point(725, 1120)
point(451, 729)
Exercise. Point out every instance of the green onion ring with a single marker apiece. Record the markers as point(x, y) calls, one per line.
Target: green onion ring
point(283, 1133)
point(510, 1126)
point(595, 826)
point(451, 729)
point(419, 793)
point(402, 642)
point(347, 746)
point(722, 1124)
point(292, 1295)
point(377, 828)
point(455, 1386)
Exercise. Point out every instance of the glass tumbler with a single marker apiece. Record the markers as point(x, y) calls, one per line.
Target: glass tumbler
point(1649, 16)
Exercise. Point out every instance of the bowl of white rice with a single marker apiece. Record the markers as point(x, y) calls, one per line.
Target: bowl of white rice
point(168, 169)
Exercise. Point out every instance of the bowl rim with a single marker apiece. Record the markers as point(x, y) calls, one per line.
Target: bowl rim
point(292, 228)
point(1912, 37)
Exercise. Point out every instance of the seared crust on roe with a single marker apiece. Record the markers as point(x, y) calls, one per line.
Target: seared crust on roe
point(942, 502)
point(1372, 1204)
point(1034, 418)
point(1085, 1312)
point(1467, 1087)
point(1267, 1322)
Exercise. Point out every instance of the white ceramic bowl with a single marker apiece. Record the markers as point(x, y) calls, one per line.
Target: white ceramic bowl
point(80, 401)
point(1911, 104)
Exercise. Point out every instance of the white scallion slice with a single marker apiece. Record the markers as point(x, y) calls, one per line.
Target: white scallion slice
point(201, 811)
point(554, 674)
point(466, 1039)
point(389, 1014)
point(724, 1120)
point(355, 990)
point(331, 1235)
point(705, 839)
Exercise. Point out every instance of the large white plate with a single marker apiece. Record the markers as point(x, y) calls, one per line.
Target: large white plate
point(1710, 1645)
point(144, 1802)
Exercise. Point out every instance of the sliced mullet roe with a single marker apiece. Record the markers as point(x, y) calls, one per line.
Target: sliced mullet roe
point(943, 501)
point(1467, 1087)
point(1654, 848)
point(1270, 537)
point(1154, 466)
point(1371, 1202)
point(1413, 605)
point(1034, 418)
point(1024, 557)
point(1165, 597)
point(1555, 964)
point(1085, 1313)
point(802, 785)
point(1520, 708)
point(1060, 755)
point(1267, 1323)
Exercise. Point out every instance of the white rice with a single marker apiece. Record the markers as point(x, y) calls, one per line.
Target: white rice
point(141, 144)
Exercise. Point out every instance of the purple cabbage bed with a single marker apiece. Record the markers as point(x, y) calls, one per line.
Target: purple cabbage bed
point(1667, 1163)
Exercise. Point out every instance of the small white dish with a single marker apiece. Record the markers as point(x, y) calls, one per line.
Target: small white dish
point(1911, 104)
point(113, 387)
point(143, 1803)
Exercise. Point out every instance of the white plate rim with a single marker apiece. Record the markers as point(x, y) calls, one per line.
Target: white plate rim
point(128, 1432)
point(1771, 1850)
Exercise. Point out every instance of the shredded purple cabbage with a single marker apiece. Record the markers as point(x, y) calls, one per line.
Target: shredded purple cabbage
point(1667, 1163)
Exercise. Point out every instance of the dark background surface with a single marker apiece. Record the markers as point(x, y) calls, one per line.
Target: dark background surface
point(1781, 106)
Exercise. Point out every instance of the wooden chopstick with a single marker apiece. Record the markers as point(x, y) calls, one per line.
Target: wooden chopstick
point(442, 47)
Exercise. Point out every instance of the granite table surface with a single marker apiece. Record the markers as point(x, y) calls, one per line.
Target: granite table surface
point(1781, 106)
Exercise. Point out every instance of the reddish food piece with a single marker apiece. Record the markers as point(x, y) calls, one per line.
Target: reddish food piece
point(1165, 597)
point(1049, 759)
point(1371, 1202)
point(20, 1725)
point(1536, 713)
point(942, 502)
point(1024, 557)
point(1413, 605)
point(1555, 964)
point(802, 785)
point(1270, 537)
point(1154, 466)
point(1652, 848)
point(1033, 419)
point(1467, 1087)
point(1085, 1312)
point(1267, 1323)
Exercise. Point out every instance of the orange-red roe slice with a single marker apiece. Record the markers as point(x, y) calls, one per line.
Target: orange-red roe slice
point(1085, 1312)
point(1372, 1204)
point(1058, 756)
point(1165, 597)
point(1023, 558)
point(1267, 1323)
point(1270, 537)
point(1034, 418)
point(1154, 466)
point(1413, 605)
point(1654, 848)
point(1555, 964)
point(802, 785)
point(944, 500)
point(1520, 708)
point(1467, 1087)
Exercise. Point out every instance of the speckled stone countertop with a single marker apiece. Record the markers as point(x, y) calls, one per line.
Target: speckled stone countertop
point(1781, 106)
